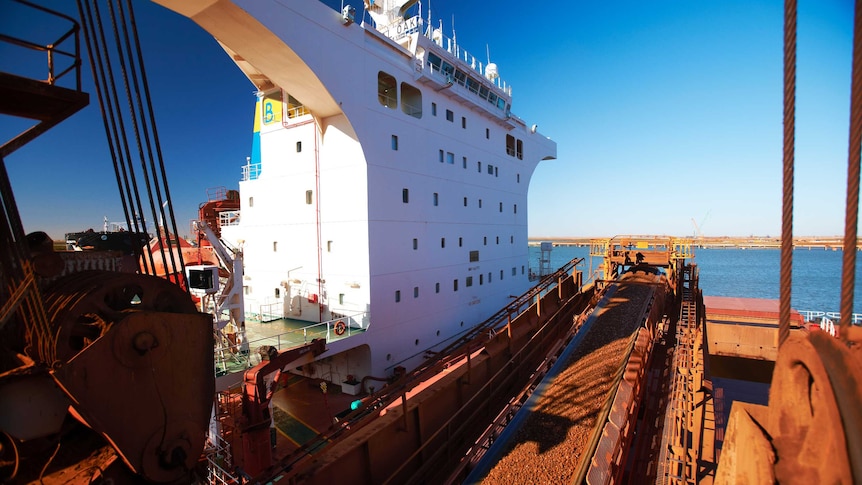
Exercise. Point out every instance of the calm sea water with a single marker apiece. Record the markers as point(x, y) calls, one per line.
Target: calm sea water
point(753, 273)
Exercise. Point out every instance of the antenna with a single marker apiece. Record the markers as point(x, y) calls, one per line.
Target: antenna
point(454, 37)
point(488, 52)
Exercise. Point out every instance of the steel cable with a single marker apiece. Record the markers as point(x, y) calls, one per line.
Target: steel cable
point(789, 142)
point(848, 273)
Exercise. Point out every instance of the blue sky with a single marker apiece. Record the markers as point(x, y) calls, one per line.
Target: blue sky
point(663, 112)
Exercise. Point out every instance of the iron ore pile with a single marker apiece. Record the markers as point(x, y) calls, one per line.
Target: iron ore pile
point(552, 441)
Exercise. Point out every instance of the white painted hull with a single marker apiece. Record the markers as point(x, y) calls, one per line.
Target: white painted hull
point(338, 221)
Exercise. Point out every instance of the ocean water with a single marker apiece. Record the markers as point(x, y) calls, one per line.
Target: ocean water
point(752, 273)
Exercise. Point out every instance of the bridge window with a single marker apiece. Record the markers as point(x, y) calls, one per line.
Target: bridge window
point(510, 145)
point(386, 90)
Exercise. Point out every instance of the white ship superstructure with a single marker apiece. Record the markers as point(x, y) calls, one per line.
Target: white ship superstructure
point(387, 186)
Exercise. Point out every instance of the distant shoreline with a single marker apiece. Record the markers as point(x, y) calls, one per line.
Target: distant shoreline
point(723, 242)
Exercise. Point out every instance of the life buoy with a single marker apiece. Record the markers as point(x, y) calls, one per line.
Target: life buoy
point(340, 328)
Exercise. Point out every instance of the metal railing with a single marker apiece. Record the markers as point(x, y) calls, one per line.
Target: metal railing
point(71, 53)
point(816, 316)
point(229, 360)
point(250, 171)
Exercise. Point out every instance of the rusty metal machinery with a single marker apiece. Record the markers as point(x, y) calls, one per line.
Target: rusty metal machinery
point(810, 430)
point(120, 342)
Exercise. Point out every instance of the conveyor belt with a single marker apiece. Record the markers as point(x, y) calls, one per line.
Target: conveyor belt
point(551, 434)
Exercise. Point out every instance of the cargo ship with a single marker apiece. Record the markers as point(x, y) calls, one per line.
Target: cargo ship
point(388, 196)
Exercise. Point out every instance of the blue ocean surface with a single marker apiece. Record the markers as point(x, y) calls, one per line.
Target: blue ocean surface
point(751, 273)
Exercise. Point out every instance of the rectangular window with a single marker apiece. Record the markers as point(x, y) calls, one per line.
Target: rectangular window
point(298, 146)
point(490, 169)
point(328, 246)
point(520, 150)
point(516, 208)
point(487, 134)
point(397, 296)
point(464, 161)
point(496, 171)
point(479, 166)
point(501, 207)
point(386, 90)
point(441, 156)
point(522, 269)
point(460, 242)
point(465, 202)
point(415, 244)
point(411, 100)
point(468, 282)
point(498, 239)
point(395, 142)
point(480, 203)
point(450, 116)
point(481, 279)
point(450, 158)
point(455, 284)
point(464, 122)
point(442, 242)
point(275, 246)
point(484, 240)
point(436, 287)
point(251, 201)
point(278, 292)
point(405, 196)
point(308, 195)
point(474, 256)
point(489, 277)
point(518, 178)
point(511, 239)
point(510, 145)
point(415, 292)
point(436, 199)
point(433, 109)
point(501, 274)
point(514, 271)
point(341, 298)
